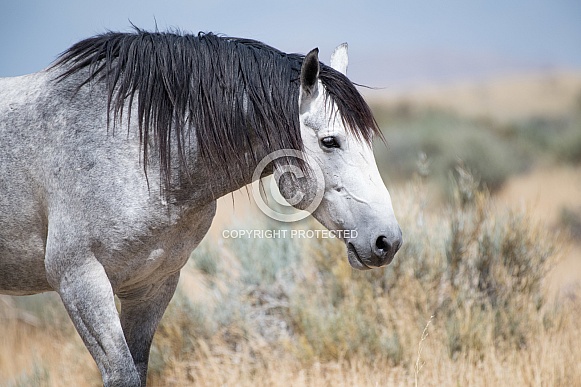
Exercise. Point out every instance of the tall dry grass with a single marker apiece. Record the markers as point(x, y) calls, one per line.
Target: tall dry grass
point(313, 321)
point(284, 311)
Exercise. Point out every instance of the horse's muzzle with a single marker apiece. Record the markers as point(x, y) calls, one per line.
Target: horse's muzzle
point(382, 252)
point(384, 249)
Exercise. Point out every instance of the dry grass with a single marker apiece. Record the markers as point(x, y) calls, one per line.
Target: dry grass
point(315, 322)
point(481, 269)
point(504, 98)
point(43, 356)
point(546, 363)
point(552, 360)
point(545, 191)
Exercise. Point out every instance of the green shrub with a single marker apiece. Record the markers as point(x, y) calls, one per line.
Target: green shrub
point(567, 148)
point(445, 139)
point(558, 138)
point(496, 266)
point(492, 151)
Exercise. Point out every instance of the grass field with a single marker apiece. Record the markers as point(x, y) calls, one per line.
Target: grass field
point(301, 316)
point(484, 291)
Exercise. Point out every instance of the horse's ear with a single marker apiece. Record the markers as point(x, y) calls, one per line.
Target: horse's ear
point(310, 72)
point(339, 59)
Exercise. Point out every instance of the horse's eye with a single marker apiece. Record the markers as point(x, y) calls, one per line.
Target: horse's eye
point(330, 142)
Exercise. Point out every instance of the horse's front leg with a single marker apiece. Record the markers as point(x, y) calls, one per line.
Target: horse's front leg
point(88, 298)
point(140, 315)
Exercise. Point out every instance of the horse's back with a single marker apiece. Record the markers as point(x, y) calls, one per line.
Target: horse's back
point(49, 148)
point(66, 177)
point(58, 169)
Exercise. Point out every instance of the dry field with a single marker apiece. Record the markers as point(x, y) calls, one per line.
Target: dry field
point(503, 98)
point(38, 345)
point(321, 324)
point(544, 193)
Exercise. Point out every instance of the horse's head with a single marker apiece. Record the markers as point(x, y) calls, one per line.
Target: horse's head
point(355, 198)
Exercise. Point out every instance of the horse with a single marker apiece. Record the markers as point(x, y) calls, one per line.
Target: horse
point(113, 157)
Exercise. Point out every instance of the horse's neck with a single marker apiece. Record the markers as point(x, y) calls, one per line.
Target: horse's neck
point(204, 181)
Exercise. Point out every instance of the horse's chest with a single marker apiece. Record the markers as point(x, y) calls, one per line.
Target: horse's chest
point(144, 278)
point(159, 255)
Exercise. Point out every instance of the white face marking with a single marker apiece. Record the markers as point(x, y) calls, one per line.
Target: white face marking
point(351, 174)
point(355, 196)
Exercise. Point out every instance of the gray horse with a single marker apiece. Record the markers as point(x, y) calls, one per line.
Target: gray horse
point(112, 159)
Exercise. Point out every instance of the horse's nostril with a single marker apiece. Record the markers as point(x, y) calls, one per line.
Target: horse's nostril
point(384, 249)
point(383, 244)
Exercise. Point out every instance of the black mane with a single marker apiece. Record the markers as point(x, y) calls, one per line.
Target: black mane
point(234, 92)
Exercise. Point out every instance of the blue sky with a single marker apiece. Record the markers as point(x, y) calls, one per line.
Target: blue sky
point(391, 43)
